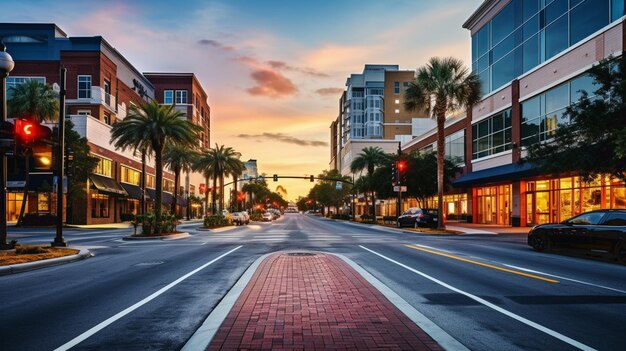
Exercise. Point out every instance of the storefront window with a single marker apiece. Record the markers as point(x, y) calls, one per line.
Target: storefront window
point(99, 206)
point(43, 202)
point(493, 205)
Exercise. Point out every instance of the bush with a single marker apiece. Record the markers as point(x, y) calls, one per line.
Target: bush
point(367, 219)
point(149, 226)
point(216, 221)
point(390, 219)
point(256, 216)
point(34, 219)
point(341, 216)
point(30, 249)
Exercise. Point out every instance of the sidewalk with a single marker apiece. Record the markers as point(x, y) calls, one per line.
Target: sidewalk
point(305, 301)
point(473, 228)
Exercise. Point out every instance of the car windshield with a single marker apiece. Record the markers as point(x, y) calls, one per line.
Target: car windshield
point(587, 218)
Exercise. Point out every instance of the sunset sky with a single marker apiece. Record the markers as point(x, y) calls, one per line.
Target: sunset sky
point(274, 70)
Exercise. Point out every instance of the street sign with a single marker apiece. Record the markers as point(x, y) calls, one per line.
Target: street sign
point(400, 188)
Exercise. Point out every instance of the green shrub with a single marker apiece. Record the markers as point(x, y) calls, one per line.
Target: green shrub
point(29, 249)
point(390, 219)
point(341, 216)
point(216, 221)
point(256, 216)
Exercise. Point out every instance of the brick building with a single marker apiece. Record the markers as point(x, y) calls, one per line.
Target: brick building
point(101, 87)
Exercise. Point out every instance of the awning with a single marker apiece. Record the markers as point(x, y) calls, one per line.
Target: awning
point(42, 182)
point(510, 172)
point(106, 185)
point(134, 192)
point(167, 198)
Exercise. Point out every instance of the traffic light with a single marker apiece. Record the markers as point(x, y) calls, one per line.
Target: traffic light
point(394, 174)
point(312, 179)
point(275, 177)
point(27, 133)
point(202, 188)
point(401, 165)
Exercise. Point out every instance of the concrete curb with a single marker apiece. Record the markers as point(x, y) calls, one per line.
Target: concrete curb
point(217, 230)
point(201, 339)
point(23, 267)
point(163, 237)
point(429, 327)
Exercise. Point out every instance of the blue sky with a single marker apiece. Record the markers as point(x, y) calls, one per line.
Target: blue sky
point(273, 69)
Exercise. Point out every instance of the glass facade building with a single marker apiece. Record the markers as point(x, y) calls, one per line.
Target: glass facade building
point(526, 33)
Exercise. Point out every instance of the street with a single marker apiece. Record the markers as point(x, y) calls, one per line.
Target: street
point(489, 292)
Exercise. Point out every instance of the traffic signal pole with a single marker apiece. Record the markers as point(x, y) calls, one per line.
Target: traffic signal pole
point(6, 66)
point(399, 178)
point(58, 239)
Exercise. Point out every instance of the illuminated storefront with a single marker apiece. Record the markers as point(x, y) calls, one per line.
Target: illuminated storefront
point(555, 200)
point(492, 204)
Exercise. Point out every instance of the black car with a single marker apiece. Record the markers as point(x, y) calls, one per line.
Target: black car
point(602, 233)
point(418, 217)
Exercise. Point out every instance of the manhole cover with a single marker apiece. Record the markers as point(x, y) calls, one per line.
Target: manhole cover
point(153, 263)
point(301, 254)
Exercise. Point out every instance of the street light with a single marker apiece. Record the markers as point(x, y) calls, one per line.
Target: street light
point(6, 66)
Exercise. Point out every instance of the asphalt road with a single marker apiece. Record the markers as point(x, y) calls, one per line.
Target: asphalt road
point(490, 292)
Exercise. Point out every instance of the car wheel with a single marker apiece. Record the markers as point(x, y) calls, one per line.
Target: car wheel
point(540, 243)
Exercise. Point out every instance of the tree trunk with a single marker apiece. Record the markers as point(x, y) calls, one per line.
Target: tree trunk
point(213, 199)
point(236, 197)
point(441, 152)
point(221, 192)
point(20, 218)
point(158, 160)
point(142, 200)
point(206, 196)
point(176, 186)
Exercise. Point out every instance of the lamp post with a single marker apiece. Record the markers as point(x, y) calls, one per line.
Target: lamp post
point(6, 66)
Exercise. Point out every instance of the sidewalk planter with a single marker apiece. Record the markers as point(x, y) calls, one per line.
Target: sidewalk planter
point(216, 221)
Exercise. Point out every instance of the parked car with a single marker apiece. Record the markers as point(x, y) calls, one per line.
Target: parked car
point(240, 218)
point(267, 217)
point(246, 216)
point(601, 232)
point(418, 217)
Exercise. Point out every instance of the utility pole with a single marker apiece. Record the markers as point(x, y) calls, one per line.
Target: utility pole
point(58, 239)
point(6, 66)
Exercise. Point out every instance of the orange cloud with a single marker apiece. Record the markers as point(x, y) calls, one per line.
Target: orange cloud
point(271, 84)
point(329, 91)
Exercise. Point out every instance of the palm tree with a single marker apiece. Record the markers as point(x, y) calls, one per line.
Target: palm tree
point(234, 168)
point(441, 87)
point(369, 158)
point(34, 101)
point(205, 163)
point(152, 127)
point(219, 162)
point(178, 158)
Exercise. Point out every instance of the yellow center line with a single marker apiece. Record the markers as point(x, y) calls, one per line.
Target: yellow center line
point(481, 264)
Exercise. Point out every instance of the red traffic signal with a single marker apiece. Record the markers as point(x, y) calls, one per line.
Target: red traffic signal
point(401, 166)
point(28, 131)
point(202, 188)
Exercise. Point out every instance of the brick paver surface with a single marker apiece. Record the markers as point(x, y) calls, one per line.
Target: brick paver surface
point(315, 303)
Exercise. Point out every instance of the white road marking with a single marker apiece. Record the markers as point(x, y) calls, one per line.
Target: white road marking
point(84, 336)
point(486, 303)
point(564, 278)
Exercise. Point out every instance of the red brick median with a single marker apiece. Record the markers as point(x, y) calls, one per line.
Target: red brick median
point(315, 303)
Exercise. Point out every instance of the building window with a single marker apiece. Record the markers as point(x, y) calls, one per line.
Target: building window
point(396, 101)
point(150, 181)
point(106, 117)
point(455, 147)
point(84, 87)
point(43, 202)
point(168, 97)
point(103, 167)
point(396, 111)
point(130, 176)
point(84, 112)
point(526, 33)
point(14, 81)
point(181, 97)
point(396, 87)
point(192, 189)
point(99, 206)
point(107, 92)
point(168, 185)
point(544, 113)
point(492, 135)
